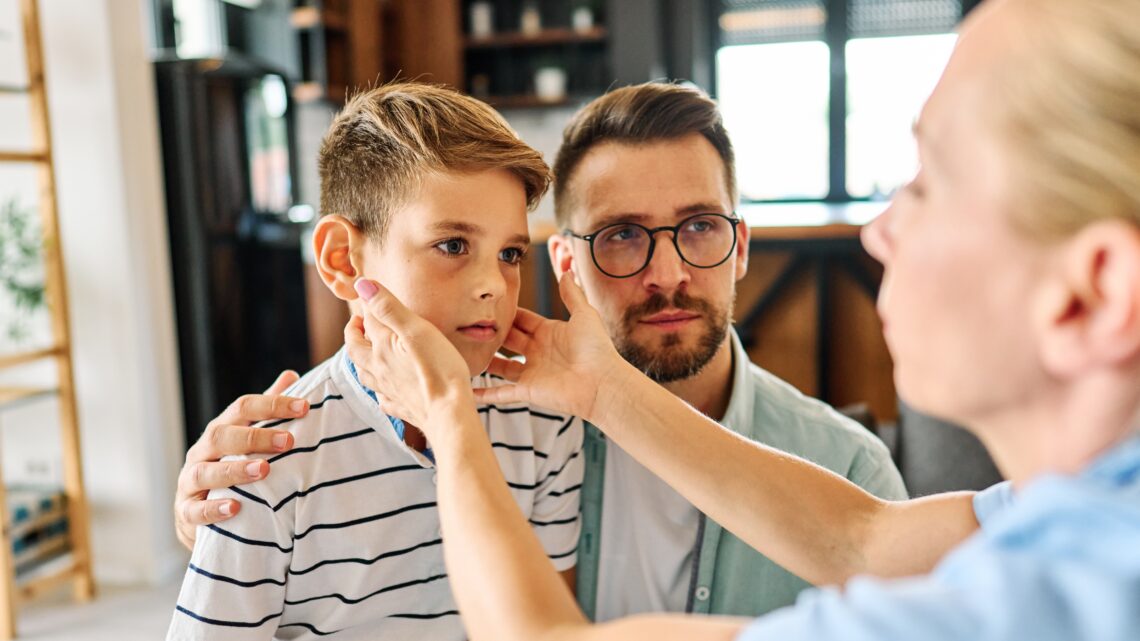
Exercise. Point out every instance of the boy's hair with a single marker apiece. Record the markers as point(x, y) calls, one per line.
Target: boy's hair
point(386, 139)
point(645, 113)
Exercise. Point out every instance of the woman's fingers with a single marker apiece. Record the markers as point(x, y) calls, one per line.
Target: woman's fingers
point(516, 341)
point(385, 309)
point(506, 368)
point(572, 295)
point(501, 394)
point(527, 321)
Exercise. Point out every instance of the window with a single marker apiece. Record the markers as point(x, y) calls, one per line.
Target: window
point(819, 95)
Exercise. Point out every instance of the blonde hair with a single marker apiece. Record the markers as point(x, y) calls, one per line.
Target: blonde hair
point(1070, 113)
point(386, 139)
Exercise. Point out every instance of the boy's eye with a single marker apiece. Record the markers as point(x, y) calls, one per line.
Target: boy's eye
point(512, 255)
point(452, 246)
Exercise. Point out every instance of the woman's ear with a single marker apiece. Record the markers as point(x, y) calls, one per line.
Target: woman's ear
point(336, 243)
point(1089, 316)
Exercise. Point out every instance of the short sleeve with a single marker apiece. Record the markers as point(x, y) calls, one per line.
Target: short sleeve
point(234, 587)
point(870, 610)
point(992, 500)
point(874, 471)
point(556, 517)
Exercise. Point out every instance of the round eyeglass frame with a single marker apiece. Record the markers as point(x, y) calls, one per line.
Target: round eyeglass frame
point(733, 221)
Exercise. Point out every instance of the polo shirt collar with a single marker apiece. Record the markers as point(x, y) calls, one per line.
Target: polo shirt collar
point(739, 413)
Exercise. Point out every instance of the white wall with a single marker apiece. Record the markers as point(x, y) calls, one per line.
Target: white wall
point(113, 228)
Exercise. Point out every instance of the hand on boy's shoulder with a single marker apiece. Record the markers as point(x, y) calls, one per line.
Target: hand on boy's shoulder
point(231, 434)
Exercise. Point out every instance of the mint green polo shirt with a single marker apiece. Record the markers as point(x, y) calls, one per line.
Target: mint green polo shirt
point(729, 577)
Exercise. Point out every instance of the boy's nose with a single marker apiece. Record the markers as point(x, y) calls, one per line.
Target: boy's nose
point(491, 283)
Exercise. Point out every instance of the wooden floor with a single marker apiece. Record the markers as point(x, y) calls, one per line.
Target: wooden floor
point(117, 614)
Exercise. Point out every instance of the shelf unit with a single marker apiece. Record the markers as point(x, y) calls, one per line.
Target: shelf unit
point(75, 566)
point(558, 36)
point(347, 45)
point(337, 46)
point(500, 67)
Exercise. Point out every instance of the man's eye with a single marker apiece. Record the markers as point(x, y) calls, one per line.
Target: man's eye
point(512, 255)
point(620, 234)
point(452, 246)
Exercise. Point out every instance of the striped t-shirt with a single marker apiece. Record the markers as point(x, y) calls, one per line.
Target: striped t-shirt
point(343, 536)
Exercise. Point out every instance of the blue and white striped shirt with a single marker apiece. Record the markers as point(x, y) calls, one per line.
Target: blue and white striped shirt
point(343, 536)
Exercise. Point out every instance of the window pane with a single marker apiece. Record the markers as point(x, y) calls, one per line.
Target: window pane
point(888, 80)
point(774, 101)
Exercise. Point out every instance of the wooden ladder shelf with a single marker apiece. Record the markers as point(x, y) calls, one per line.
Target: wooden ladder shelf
point(75, 567)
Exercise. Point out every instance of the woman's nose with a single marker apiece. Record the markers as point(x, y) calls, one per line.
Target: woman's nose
point(876, 237)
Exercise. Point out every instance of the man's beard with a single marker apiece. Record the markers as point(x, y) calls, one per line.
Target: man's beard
point(668, 361)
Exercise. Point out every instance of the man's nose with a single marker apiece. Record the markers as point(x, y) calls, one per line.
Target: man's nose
point(666, 269)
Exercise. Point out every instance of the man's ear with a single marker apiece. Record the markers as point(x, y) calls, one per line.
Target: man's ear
point(1088, 315)
point(740, 259)
point(561, 253)
point(336, 245)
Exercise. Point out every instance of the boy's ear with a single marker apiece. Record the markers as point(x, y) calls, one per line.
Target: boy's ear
point(1089, 312)
point(336, 243)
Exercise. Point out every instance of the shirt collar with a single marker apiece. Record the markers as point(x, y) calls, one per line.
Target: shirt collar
point(1119, 465)
point(397, 424)
point(739, 414)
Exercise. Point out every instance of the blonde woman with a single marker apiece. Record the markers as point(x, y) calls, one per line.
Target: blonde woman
point(1010, 302)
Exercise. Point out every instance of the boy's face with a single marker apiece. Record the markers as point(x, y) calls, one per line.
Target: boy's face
point(452, 255)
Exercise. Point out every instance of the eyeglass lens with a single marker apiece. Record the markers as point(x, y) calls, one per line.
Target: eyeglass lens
point(703, 241)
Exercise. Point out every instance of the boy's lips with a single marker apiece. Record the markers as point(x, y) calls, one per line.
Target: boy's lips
point(481, 331)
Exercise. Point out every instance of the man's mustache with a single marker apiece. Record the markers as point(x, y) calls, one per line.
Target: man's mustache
point(659, 302)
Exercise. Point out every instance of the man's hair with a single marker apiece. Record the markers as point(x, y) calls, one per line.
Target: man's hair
point(645, 113)
point(387, 139)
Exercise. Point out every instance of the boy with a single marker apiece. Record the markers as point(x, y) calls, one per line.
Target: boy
point(426, 191)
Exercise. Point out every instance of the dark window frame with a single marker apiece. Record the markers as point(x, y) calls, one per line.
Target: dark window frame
point(836, 35)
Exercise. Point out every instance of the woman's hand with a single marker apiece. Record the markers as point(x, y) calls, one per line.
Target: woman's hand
point(566, 361)
point(414, 370)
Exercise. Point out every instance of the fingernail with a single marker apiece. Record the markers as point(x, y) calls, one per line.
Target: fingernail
point(254, 469)
point(297, 406)
point(226, 509)
point(280, 441)
point(366, 288)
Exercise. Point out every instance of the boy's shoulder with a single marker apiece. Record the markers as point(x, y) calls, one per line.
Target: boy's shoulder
point(331, 417)
point(320, 388)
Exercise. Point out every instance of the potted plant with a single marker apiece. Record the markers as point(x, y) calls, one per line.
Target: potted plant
point(21, 270)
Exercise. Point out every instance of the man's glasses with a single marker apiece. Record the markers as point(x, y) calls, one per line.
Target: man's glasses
point(622, 250)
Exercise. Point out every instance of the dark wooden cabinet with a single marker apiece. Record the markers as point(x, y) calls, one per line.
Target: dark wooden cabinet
point(350, 45)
